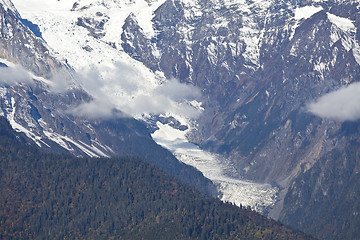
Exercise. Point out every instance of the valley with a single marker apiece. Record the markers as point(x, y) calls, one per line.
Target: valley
point(254, 102)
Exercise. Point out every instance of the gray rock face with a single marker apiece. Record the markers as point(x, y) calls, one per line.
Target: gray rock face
point(95, 27)
point(321, 200)
point(15, 36)
point(250, 91)
point(135, 43)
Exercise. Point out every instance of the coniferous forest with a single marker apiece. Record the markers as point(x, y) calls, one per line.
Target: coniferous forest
point(47, 196)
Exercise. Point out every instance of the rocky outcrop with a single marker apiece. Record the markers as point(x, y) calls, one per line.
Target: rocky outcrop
point(137, 45)
point(19, 45)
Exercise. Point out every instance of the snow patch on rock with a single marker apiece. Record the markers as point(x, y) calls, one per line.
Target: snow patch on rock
point(344, 24)
point(306, 12)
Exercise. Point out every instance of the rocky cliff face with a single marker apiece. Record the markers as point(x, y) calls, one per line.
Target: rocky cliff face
point(15, 36)
point(321, 200)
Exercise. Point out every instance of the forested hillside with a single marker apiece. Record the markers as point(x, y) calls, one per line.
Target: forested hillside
point(46, 196)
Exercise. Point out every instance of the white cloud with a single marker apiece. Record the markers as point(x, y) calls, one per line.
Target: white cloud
point(14, 75)
point(171, 97)
point(177, 91)
point(340, 105)
point(58, 83)
point(96, 109)
point(124, 89)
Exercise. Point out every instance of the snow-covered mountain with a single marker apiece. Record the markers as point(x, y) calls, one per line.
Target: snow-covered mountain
point(44, 98)
point(235, 88)
point(98, 33)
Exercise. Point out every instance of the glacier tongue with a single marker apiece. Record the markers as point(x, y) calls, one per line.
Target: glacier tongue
point(232, 187)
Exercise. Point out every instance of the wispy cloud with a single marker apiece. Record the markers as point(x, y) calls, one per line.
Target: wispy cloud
point(59, 83)
point(14, 75)
point(96, 109)
point(340, 105)
point(171, 96)
point(124, 89)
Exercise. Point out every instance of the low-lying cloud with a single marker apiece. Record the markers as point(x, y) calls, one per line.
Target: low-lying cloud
point(340, 105)
point(122, 88)
point(14, 75)
point(95, 109)
point(60, 83)
point(177, 91)
point(171, 96)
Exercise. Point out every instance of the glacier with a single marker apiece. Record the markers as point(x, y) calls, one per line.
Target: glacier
point(90, 56)
point(218, 169)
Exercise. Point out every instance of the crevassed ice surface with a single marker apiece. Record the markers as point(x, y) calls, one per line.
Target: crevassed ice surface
point(219, 170)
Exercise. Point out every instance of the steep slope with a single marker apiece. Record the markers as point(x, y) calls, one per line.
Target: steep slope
point(246, 102)
point(323, 200)
point(257, 112)
point(259, 64)
point(43, 98)
point(54, 196)
point(15, 35)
